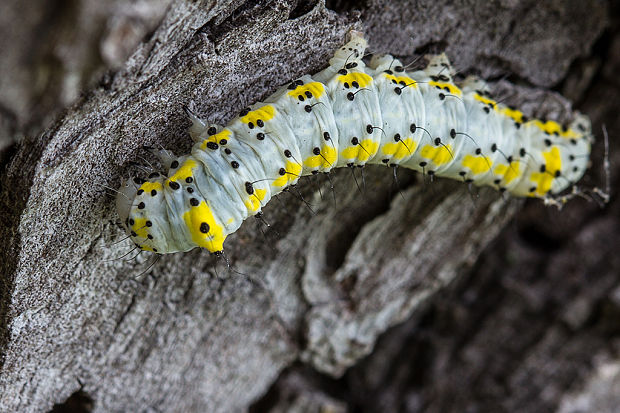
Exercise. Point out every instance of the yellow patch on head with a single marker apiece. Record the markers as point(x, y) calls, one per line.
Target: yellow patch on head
point(292, 172)
point(224, 134)
point(405, 79)
point(316, 88)
point(184, 171)
point(264, 113)
point(451, 88)
point(362, 79)
point(141, 230)
point(508, 172)
point(477, 164)
point(253, 203)
point(326, 159)
point(139, 227)
point(195, 218)
point(439, 155)
point(400, 149)
point(362, 151)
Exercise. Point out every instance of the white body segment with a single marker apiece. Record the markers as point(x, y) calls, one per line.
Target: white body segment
point(349, 114)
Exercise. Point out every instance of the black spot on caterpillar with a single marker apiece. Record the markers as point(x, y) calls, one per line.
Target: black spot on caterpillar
point(349, 114)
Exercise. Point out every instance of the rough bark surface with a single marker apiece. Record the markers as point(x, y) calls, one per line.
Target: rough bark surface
point(384, 300)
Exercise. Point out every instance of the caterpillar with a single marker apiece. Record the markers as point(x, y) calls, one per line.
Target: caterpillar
point(349, 114)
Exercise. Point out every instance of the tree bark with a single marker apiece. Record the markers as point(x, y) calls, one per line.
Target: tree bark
point(311, 294)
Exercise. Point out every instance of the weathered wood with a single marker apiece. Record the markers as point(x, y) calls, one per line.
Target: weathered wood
point(193, 335)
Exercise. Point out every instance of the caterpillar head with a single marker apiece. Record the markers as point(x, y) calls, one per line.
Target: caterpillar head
point(352, 53)
point(166, 214)
point(141, 207)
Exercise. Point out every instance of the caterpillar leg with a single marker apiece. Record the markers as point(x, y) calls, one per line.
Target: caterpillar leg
point(559, 201)
point(199, 125)
point(439, 65)
point(350, 54)
point(353, 50)
point(164, 156)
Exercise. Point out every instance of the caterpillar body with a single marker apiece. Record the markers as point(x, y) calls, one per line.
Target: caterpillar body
point(349, 114)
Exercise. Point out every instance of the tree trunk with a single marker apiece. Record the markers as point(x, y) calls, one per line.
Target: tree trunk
point(298, 321)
